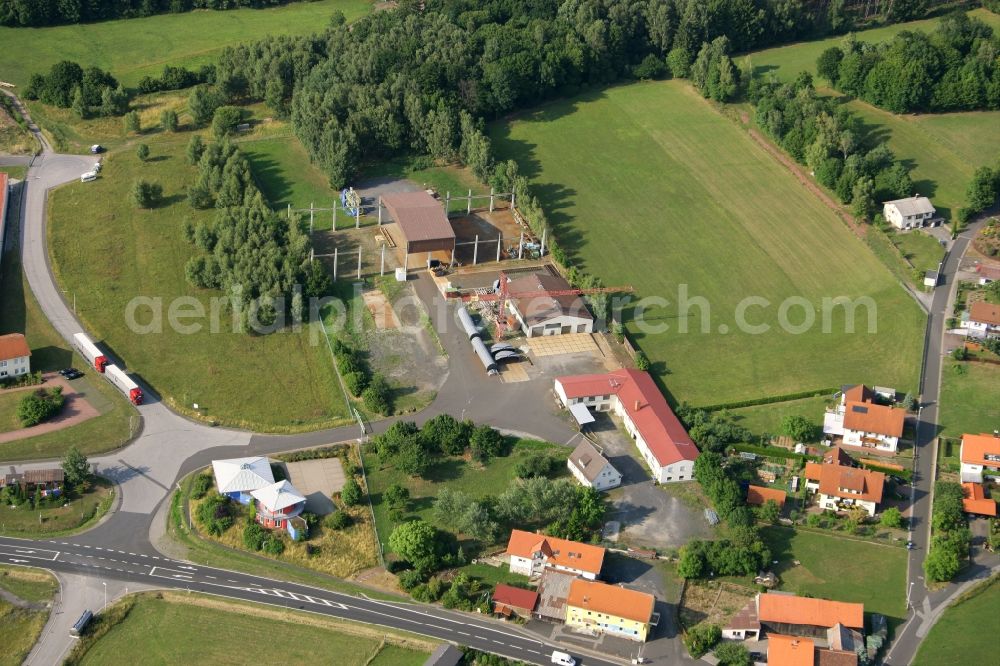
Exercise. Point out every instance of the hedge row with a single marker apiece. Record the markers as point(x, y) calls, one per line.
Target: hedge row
point(773, 452)
point(816, 393)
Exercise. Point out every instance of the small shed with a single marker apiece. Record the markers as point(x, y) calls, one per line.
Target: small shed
point(422, 222)
point(446, 654)
point(931, 279)
point(508, 601)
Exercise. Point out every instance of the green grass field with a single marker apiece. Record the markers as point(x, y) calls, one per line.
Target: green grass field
point(954, 638)
point(922, 250)
point(970, 400)
point(20, 628)
point(173, 630)
point(766, 419)
point(942, 149)
point(133, 48)
point(455, 473)
point(841, 569)
point(648, 185)
point(61, 517)
point(107, 252)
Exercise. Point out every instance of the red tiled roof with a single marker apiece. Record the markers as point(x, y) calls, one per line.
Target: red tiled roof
point(858, 393)
point(976, 501)
point(757, 495)
point(836, 658)
point(814, 471)
point(645, 405)
point(789, 650)
point(13, 345)
point(975, 448)
point(839, 456)
point(561, 552)
point(792, 609)
point(515, 597)
point(985, 313)
point(611, 599)
point(988, 272)
point(869, 417)
point(867, 484)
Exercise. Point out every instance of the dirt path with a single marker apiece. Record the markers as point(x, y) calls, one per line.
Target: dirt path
point(810, 184)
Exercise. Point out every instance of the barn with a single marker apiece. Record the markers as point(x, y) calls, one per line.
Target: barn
point(540, 312)
point(422, 224)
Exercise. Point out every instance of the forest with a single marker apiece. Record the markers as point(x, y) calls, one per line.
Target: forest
point(954, 68)
point(35, 13)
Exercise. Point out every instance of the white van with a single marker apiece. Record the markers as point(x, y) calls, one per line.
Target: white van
point(563, 659)
point(89, 176)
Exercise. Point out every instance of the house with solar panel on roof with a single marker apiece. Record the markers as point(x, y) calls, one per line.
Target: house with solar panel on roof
point(861, 422)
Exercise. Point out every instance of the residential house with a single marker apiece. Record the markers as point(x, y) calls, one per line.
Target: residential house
point(530, 553)
point(841, 487)
point(758, 495)
point(798, 651)
point(279, 506)
point(547, 314)
point(236, 478)
point(863, 423)
point(15, 355)
point(609, 609)
point(981, 320)
point(987, 274)
point(50, 480)
point(648, 419)
point(976, 500)
point(980, 456)
point(514, 601)
point(909, 213)
point(592, 469)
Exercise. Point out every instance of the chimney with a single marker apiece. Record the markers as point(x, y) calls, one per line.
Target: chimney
point(638, 405)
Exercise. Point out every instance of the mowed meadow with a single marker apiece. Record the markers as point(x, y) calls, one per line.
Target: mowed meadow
point(648, 185)
point(133, 48)
point(942, 149)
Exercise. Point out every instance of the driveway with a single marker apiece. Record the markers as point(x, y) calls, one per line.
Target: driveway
point(649, 516)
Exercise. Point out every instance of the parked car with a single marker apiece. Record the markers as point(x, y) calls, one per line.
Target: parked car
point(910, 545)
point(96, 148)
point(71, 373)
point(562, 659)
point(66, 371)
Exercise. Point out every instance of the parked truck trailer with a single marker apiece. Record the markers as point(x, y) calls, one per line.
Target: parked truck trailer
point(124, 383)
point(90, 352)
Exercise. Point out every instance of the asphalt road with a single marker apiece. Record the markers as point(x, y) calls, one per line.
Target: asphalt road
point(115, 564)
point(924, 603)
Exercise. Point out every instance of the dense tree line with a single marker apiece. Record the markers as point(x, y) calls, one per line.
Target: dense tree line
point(52, 12)
point(951, 536)
point(258, 257)
point(956, 67)
point(90, 91)
point(821, 133)
point(176, 78)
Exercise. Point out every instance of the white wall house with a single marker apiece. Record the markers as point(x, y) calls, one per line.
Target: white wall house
point(909, 213)
point(863, 423)
point(531, 553)
point(592, 469)
point(545, 314)
point(15, 355)
point(980, 457)
point(841, 487)
point(648, 419)
point(981, 320)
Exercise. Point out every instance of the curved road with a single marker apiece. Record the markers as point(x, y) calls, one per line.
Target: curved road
point(168, 446)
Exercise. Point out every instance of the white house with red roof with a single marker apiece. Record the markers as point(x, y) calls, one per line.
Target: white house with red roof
point(632, 395)
point(980, 456)
point(15, 355)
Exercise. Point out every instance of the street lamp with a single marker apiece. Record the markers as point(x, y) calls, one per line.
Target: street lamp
point(105, 595)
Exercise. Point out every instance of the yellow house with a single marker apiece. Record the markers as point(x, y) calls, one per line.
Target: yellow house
point(609, 609)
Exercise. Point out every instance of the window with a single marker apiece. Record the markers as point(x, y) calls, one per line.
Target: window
point(670, 478)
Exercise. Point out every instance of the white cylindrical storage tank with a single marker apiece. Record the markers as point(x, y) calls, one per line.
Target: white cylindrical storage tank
point(466, 319)
point(484, 355)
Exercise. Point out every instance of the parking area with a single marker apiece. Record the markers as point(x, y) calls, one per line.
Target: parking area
point(318, 480)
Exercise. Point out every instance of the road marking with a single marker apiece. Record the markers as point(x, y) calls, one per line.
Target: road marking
point(143, 555)
point(187, 568)
point(18, 561)
point(86, 546)
point(212, 577)
point(464, 633)
point(36, 554)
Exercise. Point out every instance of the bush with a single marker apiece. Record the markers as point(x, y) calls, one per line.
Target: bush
point(377, 398)
point(225, 119)
point(338, 520)
point(215, 514)
point(142, 152)
point(273, 545)
point(701, 638)
point(536, 464)
point(642, 361)
point(168, 120)
point(145, 194)
point(356, 382)
point(891, 517)
point(485, 443)
point(410, 579)
point(202, 484)
point(732, 654)
point(350, 494)
point(39, 406)
point(254, 536)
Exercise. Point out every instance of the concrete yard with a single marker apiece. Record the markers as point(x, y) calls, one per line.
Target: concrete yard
point(318, 480)
point(568, 343)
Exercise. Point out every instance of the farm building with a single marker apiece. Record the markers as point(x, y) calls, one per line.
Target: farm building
point(422, 225)
point(508, 601)
point(530, 553)
point(236, 478)
point(609, 609)
point(546, 314)
point(278, 507)
point(792, 615)
point(15, 355)
point(910, 213)
point(591, 468)
point(647, 417)
point(980, 456)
